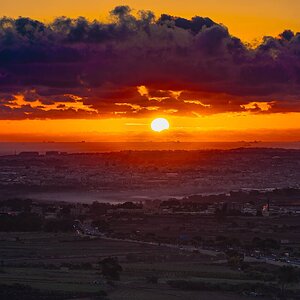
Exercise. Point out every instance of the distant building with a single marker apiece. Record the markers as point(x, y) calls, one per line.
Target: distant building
point(211, 209)
point(237, 206)
point(270, 210)
point(290, 210)
point(249, 209)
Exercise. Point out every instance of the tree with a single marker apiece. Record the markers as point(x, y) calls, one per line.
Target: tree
point(110, 268)
point(287, 275)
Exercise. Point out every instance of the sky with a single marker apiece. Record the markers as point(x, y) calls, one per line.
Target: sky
point(247, 19)
point(217, 70)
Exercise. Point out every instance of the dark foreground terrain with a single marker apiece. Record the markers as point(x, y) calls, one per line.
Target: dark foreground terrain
point(209, 224)
point(68, 266)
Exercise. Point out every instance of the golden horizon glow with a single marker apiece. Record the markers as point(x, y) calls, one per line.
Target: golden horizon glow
point(218, 127)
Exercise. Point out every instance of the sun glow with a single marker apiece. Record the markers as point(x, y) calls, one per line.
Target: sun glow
point(160, 124)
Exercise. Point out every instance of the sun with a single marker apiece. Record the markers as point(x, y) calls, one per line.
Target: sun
point(160, 124)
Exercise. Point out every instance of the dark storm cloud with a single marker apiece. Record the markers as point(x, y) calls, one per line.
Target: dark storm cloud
point(73, 68)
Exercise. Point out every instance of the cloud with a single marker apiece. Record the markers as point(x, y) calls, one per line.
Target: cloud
point(137, 65)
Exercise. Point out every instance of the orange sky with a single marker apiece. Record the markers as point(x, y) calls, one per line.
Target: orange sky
point(247, 19)
point(219, 127)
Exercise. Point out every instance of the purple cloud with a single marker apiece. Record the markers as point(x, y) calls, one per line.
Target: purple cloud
point(74, 68)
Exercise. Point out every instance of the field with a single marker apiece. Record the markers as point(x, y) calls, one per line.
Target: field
point(67, 263)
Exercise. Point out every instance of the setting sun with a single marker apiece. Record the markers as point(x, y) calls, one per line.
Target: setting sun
point(160, 124)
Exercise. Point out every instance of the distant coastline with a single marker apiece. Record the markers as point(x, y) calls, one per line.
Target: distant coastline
point(10, 148)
